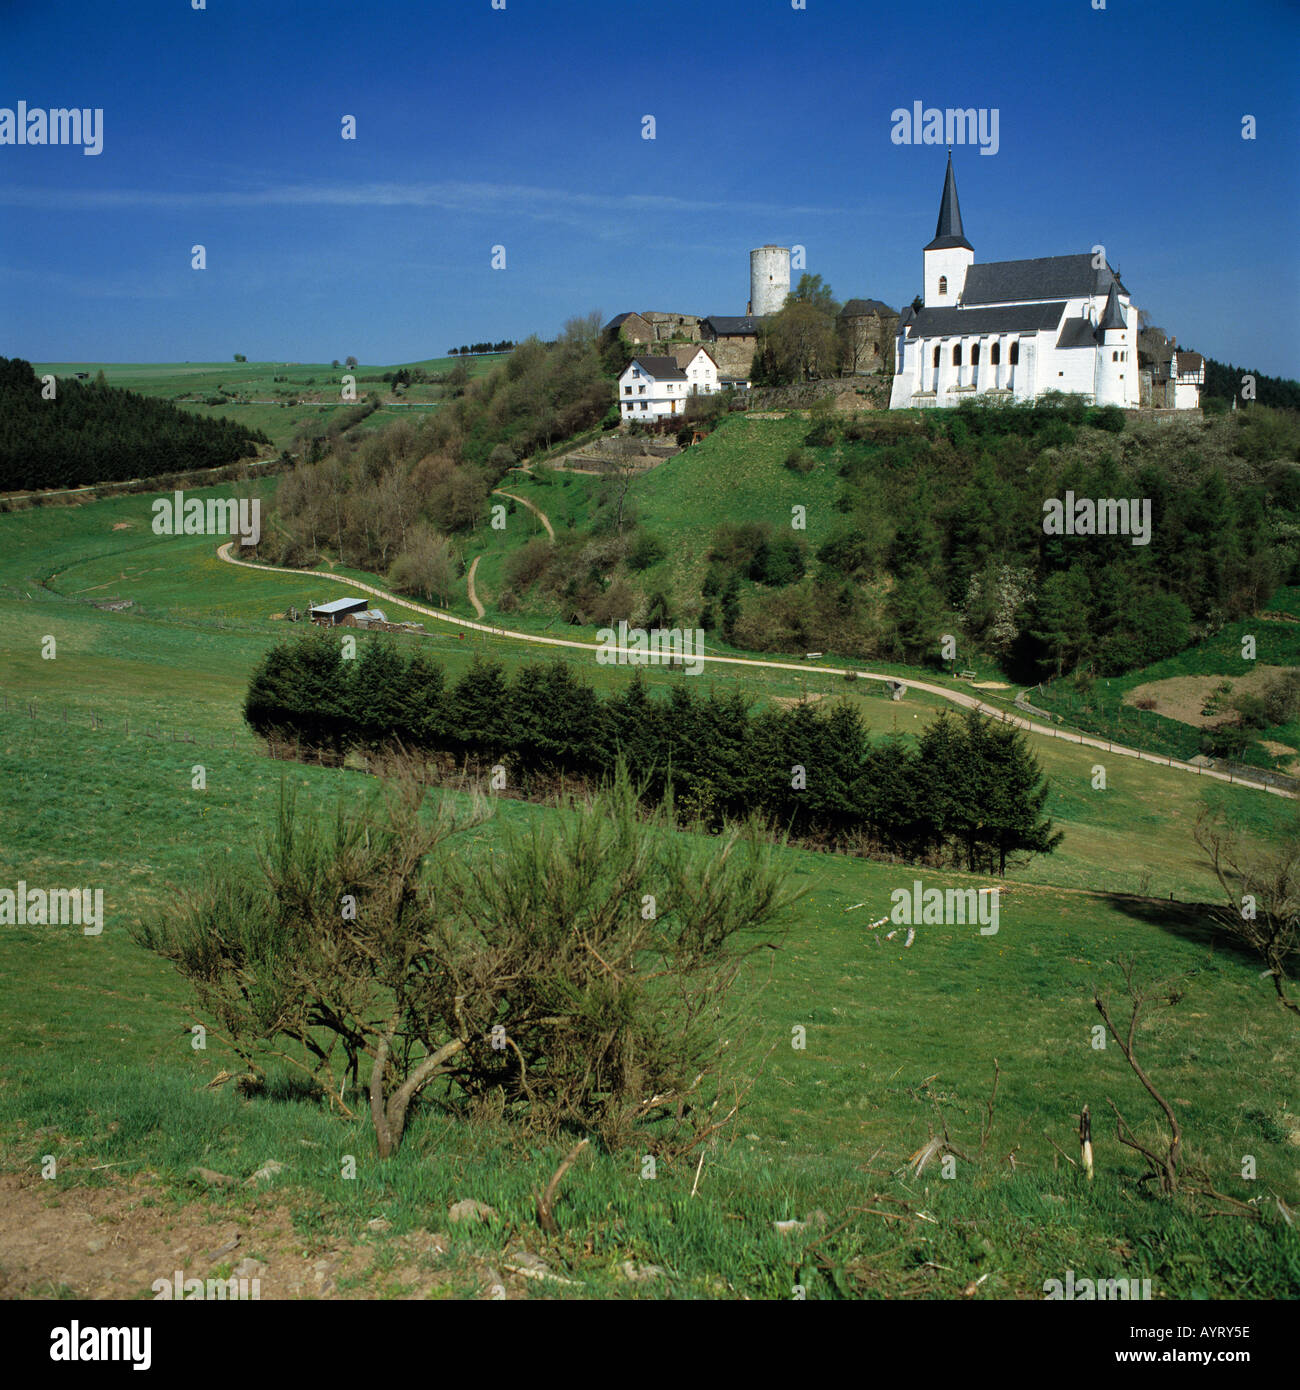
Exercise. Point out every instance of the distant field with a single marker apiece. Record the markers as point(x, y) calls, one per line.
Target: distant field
point(315, 384)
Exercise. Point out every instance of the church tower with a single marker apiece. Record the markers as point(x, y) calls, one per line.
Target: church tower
point(949, 255)
point(1113, 370)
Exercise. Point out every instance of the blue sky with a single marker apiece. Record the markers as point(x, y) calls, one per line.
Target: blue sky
point(523, 127)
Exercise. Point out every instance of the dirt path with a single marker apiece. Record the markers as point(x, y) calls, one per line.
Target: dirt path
point(117, 1242)
point(479, 610)
point(536, 511)
point(955, 697)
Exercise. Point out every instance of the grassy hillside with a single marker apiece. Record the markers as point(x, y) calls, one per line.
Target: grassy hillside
point(102, 1072)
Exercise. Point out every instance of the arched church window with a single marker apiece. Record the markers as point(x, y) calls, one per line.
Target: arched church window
point(956, 355)
point(943, 284)
point(936, 355)
point(975, 355)
point(1015, 351)
point(996, 354)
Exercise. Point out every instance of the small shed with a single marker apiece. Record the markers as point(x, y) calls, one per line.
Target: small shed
point(330, 614)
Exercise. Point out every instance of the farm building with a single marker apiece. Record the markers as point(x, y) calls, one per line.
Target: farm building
point(331, 614)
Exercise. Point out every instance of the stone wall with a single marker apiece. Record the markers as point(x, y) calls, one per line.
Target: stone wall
point(849, 394)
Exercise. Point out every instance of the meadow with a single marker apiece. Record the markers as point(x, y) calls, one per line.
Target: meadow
point(275, 397)
point(97, 753)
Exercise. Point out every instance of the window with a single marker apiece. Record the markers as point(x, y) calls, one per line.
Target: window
point(627, 390)
point(936, 356)
point(975, 355)
point(995, 356)
point(644, 406)
point(943, 284)
point(1015, 351)
point(956, 355)
point(1114, 357)
point(641, 390)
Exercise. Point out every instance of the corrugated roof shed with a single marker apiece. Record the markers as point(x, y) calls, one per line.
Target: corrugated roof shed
point(340, 605)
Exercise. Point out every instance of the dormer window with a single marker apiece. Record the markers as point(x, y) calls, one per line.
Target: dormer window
point(943, 284)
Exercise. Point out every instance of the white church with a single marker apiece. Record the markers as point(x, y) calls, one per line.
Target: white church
point(1012, 330)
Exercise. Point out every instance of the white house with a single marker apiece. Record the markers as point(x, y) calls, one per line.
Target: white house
point(1189, 377)
point(653, 387)
point(1012, 330)
point(700, 367)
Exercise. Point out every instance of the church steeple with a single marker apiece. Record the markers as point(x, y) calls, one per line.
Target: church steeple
point(949, 231)
point(1114, 315)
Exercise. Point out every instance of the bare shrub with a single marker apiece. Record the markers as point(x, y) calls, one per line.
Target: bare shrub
point(574, 973)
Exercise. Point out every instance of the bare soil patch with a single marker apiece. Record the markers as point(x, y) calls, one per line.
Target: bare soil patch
point(1183, 697)
point(114, 1242)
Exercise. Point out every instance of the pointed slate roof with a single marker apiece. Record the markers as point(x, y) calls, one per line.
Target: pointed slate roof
point(949, 231)
point(1114, 315)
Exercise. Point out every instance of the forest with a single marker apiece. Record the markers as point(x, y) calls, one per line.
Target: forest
point(90, 432)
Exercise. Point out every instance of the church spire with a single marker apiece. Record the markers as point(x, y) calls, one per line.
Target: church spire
point(949, 230)
point(1114, 314)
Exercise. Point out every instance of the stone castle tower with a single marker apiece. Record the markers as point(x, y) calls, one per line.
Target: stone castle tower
point(769, 279)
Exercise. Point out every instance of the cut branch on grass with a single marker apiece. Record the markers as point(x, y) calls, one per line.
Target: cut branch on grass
point(992, 1101)
point(1162, 1167)
point(546, 1199)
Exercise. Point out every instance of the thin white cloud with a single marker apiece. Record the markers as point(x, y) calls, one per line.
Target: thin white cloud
point(446, 196)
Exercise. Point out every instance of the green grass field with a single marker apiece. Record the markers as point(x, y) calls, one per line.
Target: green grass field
point(298, 392)
point(101, 1071)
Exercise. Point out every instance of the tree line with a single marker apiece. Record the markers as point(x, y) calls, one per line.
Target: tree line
point(467, 349)
point(90, 432)
point(969, 790)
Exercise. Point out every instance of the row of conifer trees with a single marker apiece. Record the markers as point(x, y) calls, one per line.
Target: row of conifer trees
point(967, 790)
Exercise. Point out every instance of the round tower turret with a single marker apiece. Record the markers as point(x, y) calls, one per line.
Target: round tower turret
point(769, 279)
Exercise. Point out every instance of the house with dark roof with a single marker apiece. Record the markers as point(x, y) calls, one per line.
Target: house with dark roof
point(730, 328)
point(653, 387)
point(1013, 330)
point(1189, 378)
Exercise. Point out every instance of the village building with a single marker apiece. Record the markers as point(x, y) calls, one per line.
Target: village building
point(652, 388)
point(867, 329)
point(700, 366)
point(1189, 378)
point(1169, 379)
point(632, 326)
point(1013, 330)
